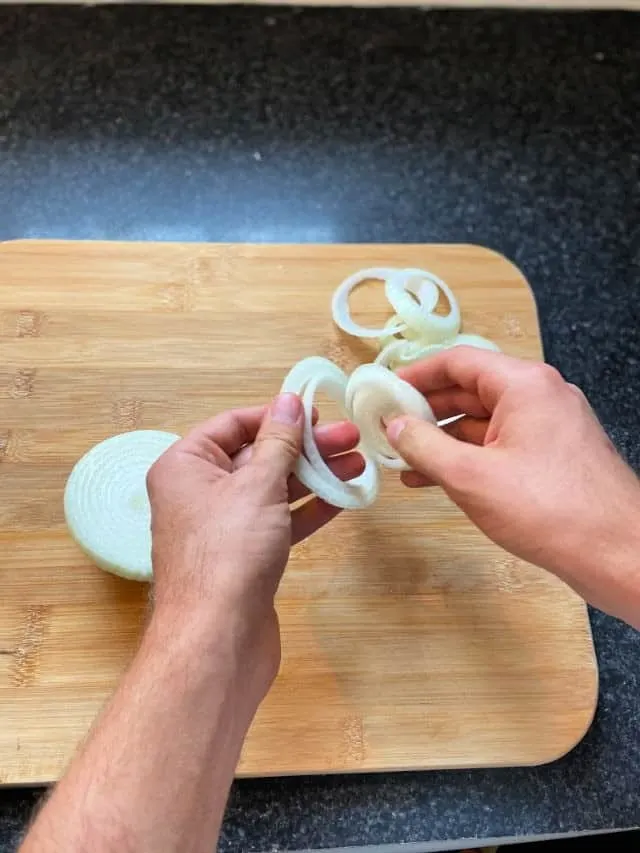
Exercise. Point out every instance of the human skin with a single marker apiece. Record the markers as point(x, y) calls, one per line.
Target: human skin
point(532, 467)
point(529, 464)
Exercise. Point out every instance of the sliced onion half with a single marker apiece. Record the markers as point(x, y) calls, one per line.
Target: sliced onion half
point(106, 505)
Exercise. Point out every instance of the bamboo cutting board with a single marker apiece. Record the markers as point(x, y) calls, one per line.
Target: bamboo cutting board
point(409, 640)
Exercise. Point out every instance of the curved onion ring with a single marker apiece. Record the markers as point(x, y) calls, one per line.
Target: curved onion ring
point(424, 289)
point(369, 396)
point(305, 378)
point(106, 505)
point(374, 396)
point(402, 352)
point(407, 335)
point(433, 327)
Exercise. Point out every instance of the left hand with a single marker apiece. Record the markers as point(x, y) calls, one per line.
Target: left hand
point(222, 525)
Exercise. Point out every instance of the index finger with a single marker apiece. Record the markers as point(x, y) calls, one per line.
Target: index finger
point(481, 372)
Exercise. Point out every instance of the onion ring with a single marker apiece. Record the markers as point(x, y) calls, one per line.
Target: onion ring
point(434, 328)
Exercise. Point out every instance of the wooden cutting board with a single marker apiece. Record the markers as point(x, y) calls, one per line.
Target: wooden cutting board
point(409, 640)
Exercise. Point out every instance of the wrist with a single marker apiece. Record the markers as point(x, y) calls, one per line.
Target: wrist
point(219, 643)
point(606, 569)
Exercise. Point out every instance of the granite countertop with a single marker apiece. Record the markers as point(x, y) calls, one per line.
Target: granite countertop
point(516, 131)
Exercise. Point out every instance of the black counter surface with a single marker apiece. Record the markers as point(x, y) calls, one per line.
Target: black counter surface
point(517, 131)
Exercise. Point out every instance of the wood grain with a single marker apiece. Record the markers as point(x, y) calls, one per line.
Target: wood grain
point(409, 640)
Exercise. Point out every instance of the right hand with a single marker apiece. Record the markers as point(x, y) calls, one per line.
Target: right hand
point(532, 467)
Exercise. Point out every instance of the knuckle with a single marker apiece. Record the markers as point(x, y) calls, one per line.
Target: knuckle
point(289, 443)
point(545, 374)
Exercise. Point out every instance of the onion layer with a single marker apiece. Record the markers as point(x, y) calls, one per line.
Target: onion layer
point(425, 291)
point(305, 378)
point(375, 396)
point(370, 396)
point(433, 327)
point(401, 352)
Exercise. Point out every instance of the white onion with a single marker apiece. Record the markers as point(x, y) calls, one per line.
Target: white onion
point(401, 353)
point(304, 379)
point(340, 303)
point(370, 396)
point(424, 290)
point(106, 504)
point(374, 396)
point(434, 328)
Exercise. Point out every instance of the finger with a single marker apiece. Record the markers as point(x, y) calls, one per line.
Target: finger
point(416, 480)
point(450, 402)
point(345, 467)
point(471, 430)
point(309, 517)
point(483, 373)
point(336, 437)
point(433, 453)
point(231, 430)
point(228, 431)
point(279, 440)
point(331, 439)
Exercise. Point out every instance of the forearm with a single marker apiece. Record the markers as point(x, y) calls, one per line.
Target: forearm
point(611, 584)
point(155, 772)
point(605, 569)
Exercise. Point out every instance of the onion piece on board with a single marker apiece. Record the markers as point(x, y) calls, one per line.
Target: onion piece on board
point(424, 290)
point(106, 505)
point(434, 328)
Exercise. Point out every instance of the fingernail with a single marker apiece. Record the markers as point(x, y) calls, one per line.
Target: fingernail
point(287, 409)
point(395, 428)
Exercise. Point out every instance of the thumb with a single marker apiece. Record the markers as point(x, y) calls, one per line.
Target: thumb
point(279, 440)
point(431, 451)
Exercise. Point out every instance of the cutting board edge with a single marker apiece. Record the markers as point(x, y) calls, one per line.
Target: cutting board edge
point(556, 752)
point(7, 245)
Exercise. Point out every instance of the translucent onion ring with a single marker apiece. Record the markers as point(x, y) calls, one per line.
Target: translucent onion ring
point(400, 352)
point(425, 290)
point(305, 378)
point(433, 327)
point(372, 395)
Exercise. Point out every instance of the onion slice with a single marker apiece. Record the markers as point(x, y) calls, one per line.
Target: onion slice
point(306, 378)
point(375, 396)
point(433, 327)
point(368, 398)
point(425, 291)
point(106, 505)
point(340, 304)
point(400, 353)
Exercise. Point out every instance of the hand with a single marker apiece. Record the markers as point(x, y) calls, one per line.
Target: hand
point(222, 525)
point(532, 467)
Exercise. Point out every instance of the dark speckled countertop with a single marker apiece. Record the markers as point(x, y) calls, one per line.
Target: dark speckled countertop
point(516, 131)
